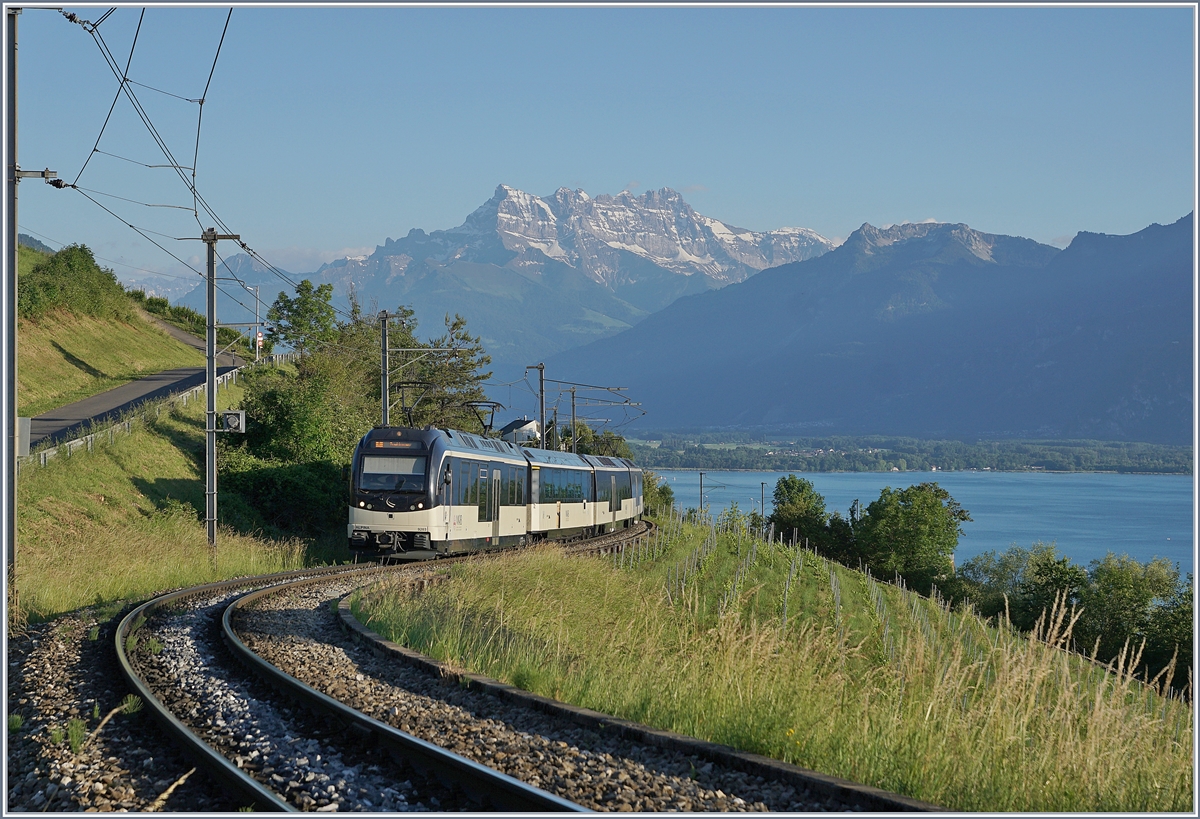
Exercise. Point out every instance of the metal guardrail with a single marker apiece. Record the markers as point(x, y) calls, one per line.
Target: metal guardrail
point(90, 441)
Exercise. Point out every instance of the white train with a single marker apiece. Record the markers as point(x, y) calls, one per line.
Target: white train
point(417, 494)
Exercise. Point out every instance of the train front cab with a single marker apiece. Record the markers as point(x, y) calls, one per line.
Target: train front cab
point(392, 498)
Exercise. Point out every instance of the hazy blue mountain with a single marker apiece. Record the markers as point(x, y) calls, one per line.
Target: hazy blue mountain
point(235, 304)
point(930, 330)
point(37, 244)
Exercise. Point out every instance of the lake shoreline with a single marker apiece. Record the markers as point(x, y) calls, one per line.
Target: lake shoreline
point(657, 469)
point(1086, 514)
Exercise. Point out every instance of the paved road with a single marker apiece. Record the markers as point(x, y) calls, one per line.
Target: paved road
point(65, 423)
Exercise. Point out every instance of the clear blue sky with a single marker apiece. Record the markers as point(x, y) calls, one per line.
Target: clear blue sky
point(328, 130)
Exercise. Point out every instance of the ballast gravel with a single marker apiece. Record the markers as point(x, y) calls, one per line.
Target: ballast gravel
point(298, 633)
point(281, 746)
point(64, 670)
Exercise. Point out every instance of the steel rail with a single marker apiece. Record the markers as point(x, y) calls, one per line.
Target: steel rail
point(492, 788)
point(259, 797)
point(867, 797)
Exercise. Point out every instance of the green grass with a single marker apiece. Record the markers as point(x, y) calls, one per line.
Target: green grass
point(862, 679)
point(63, 358)
point(76, 734)
point(124, 521)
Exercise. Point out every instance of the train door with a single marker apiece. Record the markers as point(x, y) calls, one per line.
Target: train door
point(495, 499)
point(447, 493)
point(614, 503)
point(483, 500)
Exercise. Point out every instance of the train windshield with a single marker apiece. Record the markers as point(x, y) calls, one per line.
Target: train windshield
point(393, 473)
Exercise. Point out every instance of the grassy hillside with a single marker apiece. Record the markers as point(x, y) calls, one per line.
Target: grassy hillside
point(63, 358)
point(65, 355)
point(780, 652)
point(124, 521)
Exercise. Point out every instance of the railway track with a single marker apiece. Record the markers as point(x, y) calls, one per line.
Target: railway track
point(360, 730)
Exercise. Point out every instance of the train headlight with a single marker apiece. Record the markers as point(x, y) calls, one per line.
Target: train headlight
point(369, 506)
point(420, 505)
point(362, 503)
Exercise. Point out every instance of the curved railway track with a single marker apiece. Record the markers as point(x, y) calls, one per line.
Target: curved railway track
point(368, 726)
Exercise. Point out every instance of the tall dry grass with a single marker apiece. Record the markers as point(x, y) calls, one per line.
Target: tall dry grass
point(863, 680)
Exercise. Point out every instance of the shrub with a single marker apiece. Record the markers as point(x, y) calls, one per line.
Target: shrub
point(296, 498)
point(71, 280)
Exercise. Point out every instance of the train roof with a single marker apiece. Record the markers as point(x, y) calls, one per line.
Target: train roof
point(469, 441)
point(552, 457)
point(608, 462)
point(463, 441)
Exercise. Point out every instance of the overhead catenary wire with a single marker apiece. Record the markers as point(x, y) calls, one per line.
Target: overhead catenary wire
point(159, 90)
point(61, 245)
point(200, 113)
point(199, 202)
point(116, 97)
point(123, 88)
point(124, 199)
point(136, 162)
point(144, 232)
point(139, 231)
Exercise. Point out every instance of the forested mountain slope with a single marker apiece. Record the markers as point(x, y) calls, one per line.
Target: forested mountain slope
point(930, 330)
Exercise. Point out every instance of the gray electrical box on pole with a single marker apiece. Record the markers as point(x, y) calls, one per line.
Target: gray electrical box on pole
point(210, 238)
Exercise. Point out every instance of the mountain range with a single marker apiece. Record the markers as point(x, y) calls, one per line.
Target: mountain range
point(537, 275)
point(928, 329)
point(932, 330)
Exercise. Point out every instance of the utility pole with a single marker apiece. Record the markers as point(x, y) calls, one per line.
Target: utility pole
point(11, 436)
point(210, 238)
point(574, 428)
point(384, 387)
point(700, 512)
point(257, 328)
point(541, 368)
point(763, 506)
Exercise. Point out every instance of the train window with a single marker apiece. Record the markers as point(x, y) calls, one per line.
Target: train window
point(482, 487)
point(520, 486)
point(624, 488)
point(463, 484)
point(603, 487)
point(395, 473)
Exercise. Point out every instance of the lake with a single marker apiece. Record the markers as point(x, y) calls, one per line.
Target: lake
point(1085, 514)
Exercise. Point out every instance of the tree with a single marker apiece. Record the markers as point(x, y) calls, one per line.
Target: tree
point(799, 506)
point(589, 442)
point(1046, 579)
point(1118, 601)
point(71, 280)
point(658, 496)
point(442, 388)
point(912, 531)
point(992, 580)
point(305, 320)
point(1169, 633)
